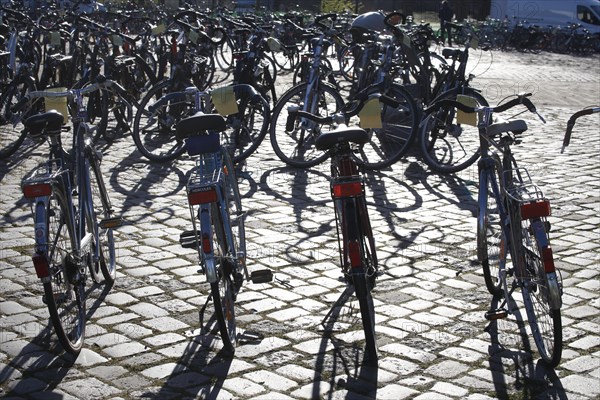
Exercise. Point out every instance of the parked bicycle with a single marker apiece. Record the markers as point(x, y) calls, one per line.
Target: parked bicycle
point(513, 243)
point(217, 218)
point(74, 218)
point(358, 258)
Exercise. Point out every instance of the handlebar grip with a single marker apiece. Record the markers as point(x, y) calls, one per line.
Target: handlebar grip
point(20, 104)
point(320, 18)
point(571, 123)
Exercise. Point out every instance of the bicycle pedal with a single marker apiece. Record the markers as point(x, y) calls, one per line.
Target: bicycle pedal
point(187, 239)
point(498, 313)
point(261, 276)
point(109, 223)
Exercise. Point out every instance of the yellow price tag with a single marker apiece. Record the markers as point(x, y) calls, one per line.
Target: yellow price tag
point(157, 30)
point(57, 103)
point(193, 36)
point(55, 38)
point(224, 101)
point(370, 114)
point(463, 117)
point(117, 40)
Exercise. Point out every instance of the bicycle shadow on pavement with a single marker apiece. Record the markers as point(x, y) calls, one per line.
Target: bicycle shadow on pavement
point(145, 184)
point(200, 372)
point(510, 349)
point(345, 365)
point(38, 363)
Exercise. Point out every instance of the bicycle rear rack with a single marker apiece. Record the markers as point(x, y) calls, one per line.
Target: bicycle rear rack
point(39, 182)
point(531, 199)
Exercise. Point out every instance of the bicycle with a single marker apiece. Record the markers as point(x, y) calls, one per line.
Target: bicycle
point(154, 126)
point(74, 218)
point(512, 222)
point(358, 258)
point(215, 205)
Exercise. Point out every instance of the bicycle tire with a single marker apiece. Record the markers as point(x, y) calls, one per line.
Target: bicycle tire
point(101, 208)
point(399, 129)
point(491, 244)
point(230, 239)
point(154, 132)
point(64, 293)
point(544, 320)
point(287, 58)
point(296, 147)
point(11, 137)
point(361, 279)
point(248, 127)
point(446, 145)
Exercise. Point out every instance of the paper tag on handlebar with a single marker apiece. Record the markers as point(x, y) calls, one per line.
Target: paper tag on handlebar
point(274, 44)
point(463, 117)
point(193, 36)
point(224, 101)
point(370, 115)
point(55, 38)
point(172, 4)
point(474, 43)
point(157, 30)
point(117, 40)
point(57, 103)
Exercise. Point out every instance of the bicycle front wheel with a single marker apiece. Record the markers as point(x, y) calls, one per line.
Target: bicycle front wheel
point(542, 311)
point(247, 128)
point(12, 134)
point(398, 130)
point(448, 143)
point(296, 146)
point(154, 129)
point(102, 209)
point(64, 293)
point(491, 244)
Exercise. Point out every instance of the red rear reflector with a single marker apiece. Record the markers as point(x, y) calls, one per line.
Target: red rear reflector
point(354, 254)
point(206, 245)
point(40, 263)
point(347, 189)
point(548, 259)
point(37, 190)
point(202, 196)
point(536, 209)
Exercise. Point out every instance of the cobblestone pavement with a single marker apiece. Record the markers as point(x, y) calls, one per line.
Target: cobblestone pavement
point(143, 337)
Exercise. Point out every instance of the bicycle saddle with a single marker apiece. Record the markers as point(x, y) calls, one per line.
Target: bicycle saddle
point(451, 53)
point(50, 121)
point(199, 123)
point(343, 134)
point(516, 126)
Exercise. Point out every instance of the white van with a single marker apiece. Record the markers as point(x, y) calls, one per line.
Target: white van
point(549, 12)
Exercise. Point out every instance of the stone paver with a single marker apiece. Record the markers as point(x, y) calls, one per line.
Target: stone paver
point(144, 337)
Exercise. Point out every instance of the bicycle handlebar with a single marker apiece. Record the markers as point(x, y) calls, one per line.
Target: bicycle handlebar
point(520, 99)
point(571, 124)
point(101, 83)
point(295, 114)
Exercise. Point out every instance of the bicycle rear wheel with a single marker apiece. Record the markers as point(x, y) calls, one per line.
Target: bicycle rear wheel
point(491, 244)
point(447, 143)
point(542, 312)
point(296, 147)
point(359, 243)
point(229, 240)
point(398, 130)
point(64, 293)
